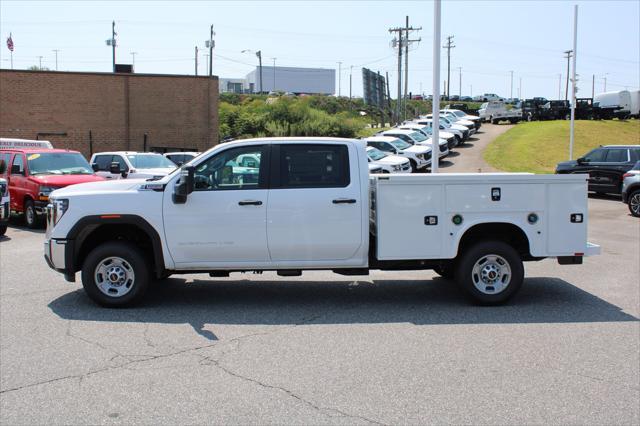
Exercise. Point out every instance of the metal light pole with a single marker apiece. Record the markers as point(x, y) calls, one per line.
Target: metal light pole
point(196, 59)
point(435, 135)
point(274, 74)
point(133, 61)
point(511, 93)
point(56, 52)
point(573, 80)
point(259, 55)
point(210, 43)
point(113, 44)
point(339, 78)
point(350, 80)
point(460, 83)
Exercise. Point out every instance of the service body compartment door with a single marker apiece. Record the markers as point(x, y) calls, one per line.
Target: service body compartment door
point(409, 220)
point(567, 224)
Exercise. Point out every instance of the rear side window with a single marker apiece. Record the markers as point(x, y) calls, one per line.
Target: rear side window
point(635, 154)
point(617, 156)
point(314, 166)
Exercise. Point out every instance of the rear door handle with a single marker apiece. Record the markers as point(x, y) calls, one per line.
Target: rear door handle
point(344, 201)
point(250, 203)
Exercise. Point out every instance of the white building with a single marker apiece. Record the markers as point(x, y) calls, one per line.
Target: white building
point(293, 79)
point(232, 85)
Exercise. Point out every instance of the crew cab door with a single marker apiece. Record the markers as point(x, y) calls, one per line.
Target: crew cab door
point(315, 209)
point(222, 224)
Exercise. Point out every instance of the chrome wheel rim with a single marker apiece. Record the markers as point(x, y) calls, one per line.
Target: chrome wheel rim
point(30, 214)
point(114, 276)
point(491, 274)
point(634, 203)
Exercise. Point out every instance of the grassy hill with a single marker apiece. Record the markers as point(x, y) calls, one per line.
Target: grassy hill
point(538, 146)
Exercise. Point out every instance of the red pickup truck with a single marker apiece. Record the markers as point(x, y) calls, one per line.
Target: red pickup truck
point(33, 169)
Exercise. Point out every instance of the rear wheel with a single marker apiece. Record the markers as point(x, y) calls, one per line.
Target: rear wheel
point(116, 274)
point(414, 166)
point(490, 272)
point(31, 218)
point(3, 229)
point(634, 203)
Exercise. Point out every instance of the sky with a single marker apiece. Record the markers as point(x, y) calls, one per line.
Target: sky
point(491, 38)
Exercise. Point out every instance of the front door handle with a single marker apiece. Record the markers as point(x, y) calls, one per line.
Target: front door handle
point(344, 201)
point(250, 203)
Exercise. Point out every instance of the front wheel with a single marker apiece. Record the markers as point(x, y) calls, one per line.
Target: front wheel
point(30, 216)
point(115, 274)
point(414, 166)
point(490, 272)
point(3, 229)
point(634, 203)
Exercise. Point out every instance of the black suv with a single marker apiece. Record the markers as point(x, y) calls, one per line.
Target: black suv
point(605, 166)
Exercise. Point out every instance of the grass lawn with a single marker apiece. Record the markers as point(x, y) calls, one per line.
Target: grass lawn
point(538, 146)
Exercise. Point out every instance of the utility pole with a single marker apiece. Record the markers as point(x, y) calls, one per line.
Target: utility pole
point(56, 52)
point(402, 42)
point(460, 83)
point(40, 67)
point(206, 61)
point(406, 61)
point(113, 44)
point(133, 60)
point(449, 46)
point(210, 43)
point(568, 57)
point(559, 85)
point(339, 78)
point(593, 85)
point(259, 55)
point(274, 74)
point(520, 89)
point(511, 93)
point(196, 60)
point(350, 82)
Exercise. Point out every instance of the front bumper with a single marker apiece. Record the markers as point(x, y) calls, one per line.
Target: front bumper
point(55, 254)
point(40, 206)
point(4, 212)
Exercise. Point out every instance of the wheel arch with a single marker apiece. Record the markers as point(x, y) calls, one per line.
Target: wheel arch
point(506, 232)
point(91, 231)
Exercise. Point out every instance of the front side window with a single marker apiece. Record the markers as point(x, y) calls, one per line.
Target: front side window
point(314, 166)
point(400, 144)
point(233, 169)
point(595, 156)
point(103, 162)
point(4, 162)
point(19, 163)
point(58, 163)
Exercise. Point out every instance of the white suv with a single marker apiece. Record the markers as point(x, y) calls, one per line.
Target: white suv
point(131, 165)
point(417, 155)
point(387, 162)
point(415, 137)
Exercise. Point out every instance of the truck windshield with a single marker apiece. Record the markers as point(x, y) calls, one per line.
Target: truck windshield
point(150, 161)
point(58, 163)
point(418, 137)
point(459, 113)
point(375, 154)
point(400, 144)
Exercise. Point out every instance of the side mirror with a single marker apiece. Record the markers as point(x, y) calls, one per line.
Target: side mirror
point(582, 160)
point(115, 168)
point(3, 167)
point(15, 170)
point(184, 186)
point(95, 167)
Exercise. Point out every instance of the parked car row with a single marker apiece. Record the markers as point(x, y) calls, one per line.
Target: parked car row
point(30, 170)
point(408, 147)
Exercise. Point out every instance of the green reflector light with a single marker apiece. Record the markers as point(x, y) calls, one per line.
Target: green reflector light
point(457, 219)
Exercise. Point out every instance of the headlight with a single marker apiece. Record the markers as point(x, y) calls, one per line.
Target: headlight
point(56, 209)
point(44, 191)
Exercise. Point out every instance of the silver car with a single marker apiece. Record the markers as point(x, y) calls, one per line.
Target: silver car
point(631, 189)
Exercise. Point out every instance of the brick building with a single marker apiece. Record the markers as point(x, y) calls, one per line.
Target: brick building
point(93, 112)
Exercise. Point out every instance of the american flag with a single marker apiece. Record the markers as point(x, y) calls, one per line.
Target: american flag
point(10, 43)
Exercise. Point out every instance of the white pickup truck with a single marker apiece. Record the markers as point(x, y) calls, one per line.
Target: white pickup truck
point(311, 205)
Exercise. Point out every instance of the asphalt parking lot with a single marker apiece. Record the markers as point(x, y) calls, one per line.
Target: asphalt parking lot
point(393, 347)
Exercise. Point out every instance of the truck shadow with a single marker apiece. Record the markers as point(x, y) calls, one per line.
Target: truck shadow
point(426, 302)
point(610, 197)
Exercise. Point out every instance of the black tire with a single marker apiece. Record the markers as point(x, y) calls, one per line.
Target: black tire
point(3, 229)
point(31, 218)
point(634, 203)
point(446, 272)
point(414, 166)
point(133, 260)
point(488, 256)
